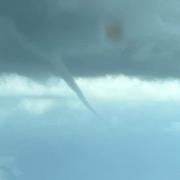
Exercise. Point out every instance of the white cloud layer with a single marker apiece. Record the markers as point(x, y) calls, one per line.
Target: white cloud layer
point(123, 88)
point(117, 88)
point(18, 93)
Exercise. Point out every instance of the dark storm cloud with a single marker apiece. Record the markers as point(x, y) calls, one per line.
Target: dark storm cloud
point(73, 29)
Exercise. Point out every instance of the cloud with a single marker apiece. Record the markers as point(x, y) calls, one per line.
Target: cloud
point(75, 31)
point(128, 89)
point(37, 106)
point(41, 97)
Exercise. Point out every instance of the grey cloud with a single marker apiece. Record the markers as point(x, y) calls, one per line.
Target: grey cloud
point(74, 30)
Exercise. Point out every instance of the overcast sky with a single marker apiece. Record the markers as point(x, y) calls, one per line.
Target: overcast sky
point(57, 62)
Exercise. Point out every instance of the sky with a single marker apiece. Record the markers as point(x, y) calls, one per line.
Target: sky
point(77, 103)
